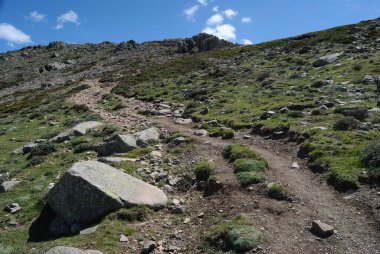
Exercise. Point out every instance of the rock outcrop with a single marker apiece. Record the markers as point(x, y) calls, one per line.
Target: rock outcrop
point(200, 43)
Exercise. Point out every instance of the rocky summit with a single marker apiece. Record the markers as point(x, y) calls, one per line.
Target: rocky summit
point(194, 145)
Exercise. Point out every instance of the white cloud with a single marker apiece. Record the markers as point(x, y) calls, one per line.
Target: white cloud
point(203, 2)
point(246, 20)
point(68, 17)
point(190, 12)
point(36, 17)
point(215, 20)
point(216, 8)
point(230, 13)
point(225, 31)
point(246, 42)
point(13, 35)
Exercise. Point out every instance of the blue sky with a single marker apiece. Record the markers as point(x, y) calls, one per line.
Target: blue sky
point(31, 22)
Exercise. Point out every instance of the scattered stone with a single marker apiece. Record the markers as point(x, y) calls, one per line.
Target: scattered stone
point(201, 133)
point(123, 239)
point(201, 215)
point(155, 155)
point(12, 208)
point(179, 141)
point(91, 189)
point(295, 166)
point(28, 147)
point(186, 221)
point(321, 229)
point(89, 231)
point(70, 250)
point(368, 79)
point(183, 121)
point(149, 247)
point(319, 128)
point(328, 59)
point(8, 185)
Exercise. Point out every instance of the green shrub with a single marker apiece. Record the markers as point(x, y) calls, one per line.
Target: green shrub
point(244, 165)
point(36, 160)
point(225, 133)
point(80, 108)
point(203, 170)
point(370, 157)
point(83, 147)
point(295, 114)
point(248, 178)
point(277, 191)
point(237, 151)
point(118, 106)
point(42, 150)
point(237, 234)
point(139, 152)
point(345, 124)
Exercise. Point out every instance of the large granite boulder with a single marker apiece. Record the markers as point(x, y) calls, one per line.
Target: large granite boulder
point(91, 189)
point(70, 250)
point(78, 130)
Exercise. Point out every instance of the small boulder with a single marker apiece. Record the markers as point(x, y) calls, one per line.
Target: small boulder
point(8, 185)
point(321, 229)
point(183, 121)
point(82, 128)
point(179, 141)
point(116, 144)
point(146, 136)
point(148, 247)
point(201, 133)
point(12, 208)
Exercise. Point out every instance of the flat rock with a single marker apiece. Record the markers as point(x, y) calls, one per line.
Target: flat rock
point(321, 229)
point(82, 128)
point(183, 121)
point(295, 166)
point(8, 185)
point(91, 189)
point(78, 130)
point(70, 250)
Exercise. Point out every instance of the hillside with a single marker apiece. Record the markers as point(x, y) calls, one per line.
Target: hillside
point(250, 145)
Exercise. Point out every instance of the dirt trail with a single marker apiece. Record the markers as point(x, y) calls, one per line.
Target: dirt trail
point(285, 224)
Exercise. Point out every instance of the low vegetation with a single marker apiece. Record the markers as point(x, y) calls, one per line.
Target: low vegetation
point(237, 234)
point(277, 191)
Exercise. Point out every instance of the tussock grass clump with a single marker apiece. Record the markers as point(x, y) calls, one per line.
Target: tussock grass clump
point(203, 170)
point(137, 213)
point(236, 151)
point(83, 147)
point(244, 165)
point(277, 191)
point(248, 178)
point(345, 124)
point(225, 133)
point(237, 234)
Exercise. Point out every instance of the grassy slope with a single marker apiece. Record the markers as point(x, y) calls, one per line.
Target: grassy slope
point(229, 83)
point(33, 118)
